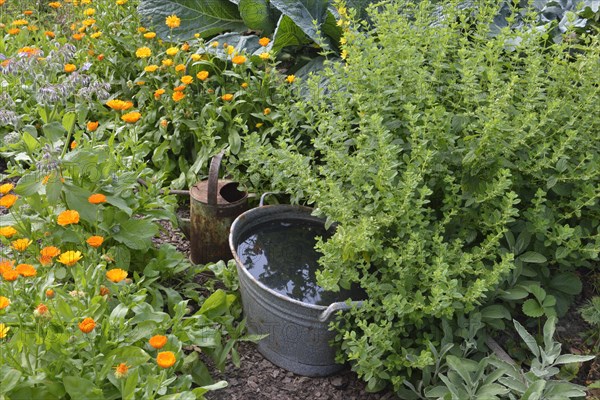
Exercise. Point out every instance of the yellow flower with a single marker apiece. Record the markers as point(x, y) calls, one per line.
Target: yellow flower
point(143, 52)
point(142, 29)
point(149, 35)
point(173, 21)
point(4, 302)
point(70, 258)
point(196, 57)
point(264, 56)
point(96, 35)
point(165, 359)
point(167, 62)
point(87, 325)
point(95, 241)
point(238, 60)
point(131, 117)
point(88, 22)
point(187, 79)
point(259, 125)
point(171, 51)
point(50, 293)
point(8, 200)
point(97, 198)
point(55, 4)
point(178, 96)
point(70, 68)
point(158, 93)
point(88, 12)
point(202, 75)
point(119, 105)
point(180, 68)
point(19, 22)
point(121, 371)
point(116, 275)
point(151, 68)
point(121, 2)
point(227, 97)
point(26, 270)
point(158, 341)
point(68, 217)
point(264, 41)
point(230, 49)
point(7, 231)
point(267, 111)
point(244, 85)
point(344, 54)
point(290, 78)
point(3, 331)
point(21, 244)
point(215, 44)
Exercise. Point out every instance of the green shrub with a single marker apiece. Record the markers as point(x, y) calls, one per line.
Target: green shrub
point(433, 146)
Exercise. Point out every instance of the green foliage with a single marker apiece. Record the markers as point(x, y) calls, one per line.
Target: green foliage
point(309, 20)
point(433, 146)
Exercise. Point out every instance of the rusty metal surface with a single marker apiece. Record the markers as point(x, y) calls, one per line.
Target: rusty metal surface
point(211, 215)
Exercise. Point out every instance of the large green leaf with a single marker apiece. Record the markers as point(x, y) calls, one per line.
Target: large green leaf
point(206, 17)
point(304, 13)
point(136, 234)
point(241, 43)
point(256, 15)
point(288, 34)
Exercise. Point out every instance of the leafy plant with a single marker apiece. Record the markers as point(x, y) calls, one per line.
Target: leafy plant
point(590, 312)
point(426, 171)
point(291, 22)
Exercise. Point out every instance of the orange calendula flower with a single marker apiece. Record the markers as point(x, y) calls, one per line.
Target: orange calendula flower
point(41, 311)
point(7, 231)
point(20, 22)
point(95, 241)
point(6, 265)
point(55, 4)
point(185, 47)
point(151, 68)
point(21, 244)
point(131, 117)
point(158, 93)
point(150, 35)
point(14, 31)
point(68, 217)
point(173, 21)
point(4, 302)
point(143, 52)
point(49, 34)
point(50, 293)
point(26, 270)
point(202, 75)
point(244, 85)
point(164, 123)
point(227, 97)
point(50, 251)
point(119, 105)
point(92, 125)
point(158, 341)
point(178, 96)
point(28, 12)
point(167, 62)
point(116, 275)
point(97, 198)
point(238, 60)
point(70, 258)
point(10, 275)
point(104, 291)
point(73, 145)
point(267, 111)
point(70, 68)
point(78, 36)
point(264, 41)
point(187, 79)
point(121, 371)
point(180, 68)
point(8, 200)
point(166, 359)
point(87, 325)
point(45, 261)
point(180, 88)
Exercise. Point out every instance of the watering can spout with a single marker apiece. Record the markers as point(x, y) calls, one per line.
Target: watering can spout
point(340, 305)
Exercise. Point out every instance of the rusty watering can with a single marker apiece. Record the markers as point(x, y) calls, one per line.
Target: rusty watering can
point(214, 204)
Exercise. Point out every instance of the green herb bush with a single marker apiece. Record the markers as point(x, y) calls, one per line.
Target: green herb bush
point(433, 146)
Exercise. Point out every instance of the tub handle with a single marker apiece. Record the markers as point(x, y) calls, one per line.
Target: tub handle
point(341, 305)
point(262, 198)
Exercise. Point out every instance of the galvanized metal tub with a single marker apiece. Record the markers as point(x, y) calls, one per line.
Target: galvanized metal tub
point(298, 335)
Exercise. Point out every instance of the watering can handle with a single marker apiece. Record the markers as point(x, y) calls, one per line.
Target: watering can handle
point(341, 305)
point(213, 178)
point(262, 198)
